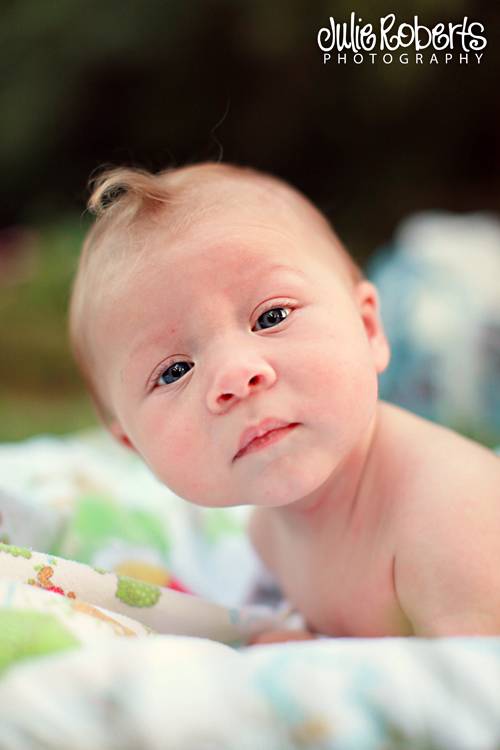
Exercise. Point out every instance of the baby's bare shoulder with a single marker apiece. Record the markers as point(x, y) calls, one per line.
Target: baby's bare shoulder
point(438, 481)
point(455, 479)
point(432, 461)
point(447, 558)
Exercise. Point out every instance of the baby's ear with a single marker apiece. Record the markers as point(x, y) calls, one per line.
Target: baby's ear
point(368, 303)
point(117, 431)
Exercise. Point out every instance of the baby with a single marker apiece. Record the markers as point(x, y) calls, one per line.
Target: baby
point(229, 339)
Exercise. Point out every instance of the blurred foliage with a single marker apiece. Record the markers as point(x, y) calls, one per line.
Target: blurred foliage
point(162, 82)
point(26, 414)
point(41, 389)
point(36, 305)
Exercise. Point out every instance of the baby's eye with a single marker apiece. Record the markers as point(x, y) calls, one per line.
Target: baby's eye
point(174, 373)
point(273, 316)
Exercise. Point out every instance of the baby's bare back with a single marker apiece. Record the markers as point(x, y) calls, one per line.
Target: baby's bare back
point(377, 571)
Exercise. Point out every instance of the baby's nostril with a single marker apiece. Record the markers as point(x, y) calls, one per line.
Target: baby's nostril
point(253, 380)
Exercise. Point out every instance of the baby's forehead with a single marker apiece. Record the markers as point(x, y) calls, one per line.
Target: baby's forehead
point(244, 217)
point(264, 201)
point(241, 241)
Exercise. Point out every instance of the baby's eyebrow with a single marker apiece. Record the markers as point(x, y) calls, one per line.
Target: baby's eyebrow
point(283, 267)
point(262, 273)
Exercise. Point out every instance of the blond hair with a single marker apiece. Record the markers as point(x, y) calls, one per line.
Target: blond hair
point(126, 201)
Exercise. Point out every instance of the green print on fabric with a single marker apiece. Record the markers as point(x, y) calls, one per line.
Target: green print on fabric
point(137, 593)
point(10, 549)
point(24, 634)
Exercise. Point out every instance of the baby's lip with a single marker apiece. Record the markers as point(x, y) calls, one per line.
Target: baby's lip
point(258, 430)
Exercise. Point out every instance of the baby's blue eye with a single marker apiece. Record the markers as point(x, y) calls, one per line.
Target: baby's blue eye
point(174, 372)
point(273, 316)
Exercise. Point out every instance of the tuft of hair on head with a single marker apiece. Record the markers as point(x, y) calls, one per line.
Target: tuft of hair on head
point(117, 185)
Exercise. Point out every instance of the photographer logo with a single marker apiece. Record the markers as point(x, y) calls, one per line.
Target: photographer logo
point(393, 41)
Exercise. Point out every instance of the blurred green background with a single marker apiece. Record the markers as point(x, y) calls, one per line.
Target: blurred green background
point(155, 83)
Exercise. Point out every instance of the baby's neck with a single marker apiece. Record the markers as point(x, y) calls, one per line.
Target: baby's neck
point(345, 489)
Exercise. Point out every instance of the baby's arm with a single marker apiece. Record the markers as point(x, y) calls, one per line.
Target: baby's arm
point(447, 566)
point(261, 539)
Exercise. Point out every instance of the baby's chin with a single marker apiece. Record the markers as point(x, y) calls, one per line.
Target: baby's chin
point(259, 493)
point(293, 485)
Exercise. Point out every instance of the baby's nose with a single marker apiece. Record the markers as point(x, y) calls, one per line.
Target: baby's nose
point(238, 381)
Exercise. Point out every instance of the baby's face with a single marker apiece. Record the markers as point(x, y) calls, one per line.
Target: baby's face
point(235, 323)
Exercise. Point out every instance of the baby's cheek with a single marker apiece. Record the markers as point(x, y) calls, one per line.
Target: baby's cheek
point(320, 365)
point(180, 460)
point(338, 380)
point(169, 447)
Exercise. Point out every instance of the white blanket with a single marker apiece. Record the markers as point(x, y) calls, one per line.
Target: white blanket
point(177, 693)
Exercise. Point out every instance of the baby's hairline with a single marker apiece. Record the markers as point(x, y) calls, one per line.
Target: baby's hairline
point(227, 176)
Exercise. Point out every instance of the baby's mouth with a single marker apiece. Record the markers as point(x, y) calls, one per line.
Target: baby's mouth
point(265, 439)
